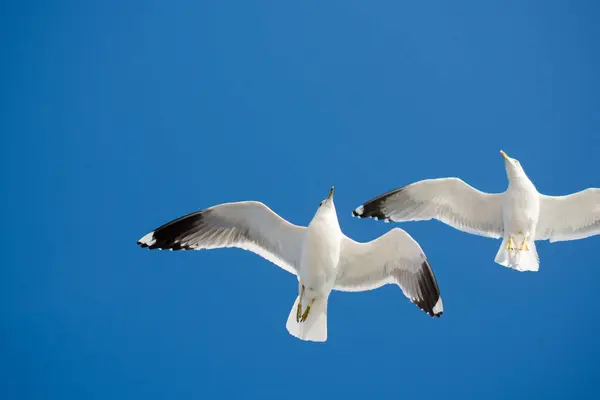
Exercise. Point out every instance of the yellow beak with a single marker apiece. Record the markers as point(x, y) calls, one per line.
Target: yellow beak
point(504, 155)
point(330, 193)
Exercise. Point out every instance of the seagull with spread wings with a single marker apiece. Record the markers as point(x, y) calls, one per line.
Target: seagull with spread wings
point(519, 216)
point(320, 255)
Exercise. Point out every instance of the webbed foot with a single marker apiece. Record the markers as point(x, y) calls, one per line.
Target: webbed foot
point(307, 311)
point(510, 245)
point(299, 309)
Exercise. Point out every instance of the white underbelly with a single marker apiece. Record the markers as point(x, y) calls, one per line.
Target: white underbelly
point(318, 267)
point(520, 215)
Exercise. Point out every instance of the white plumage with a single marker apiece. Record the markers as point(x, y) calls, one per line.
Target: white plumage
point(320, 255)
point(519, 216)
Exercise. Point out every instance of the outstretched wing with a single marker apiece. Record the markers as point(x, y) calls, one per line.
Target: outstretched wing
point(571, 217)
point(392, 258)
point(449, 200)
point(248, 225)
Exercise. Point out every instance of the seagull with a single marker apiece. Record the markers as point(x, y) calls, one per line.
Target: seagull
point(520, 216)
point(320, 255)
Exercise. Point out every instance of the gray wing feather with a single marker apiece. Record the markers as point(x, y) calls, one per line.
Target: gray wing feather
point(248, 225)
point(449, 200)
point(392, 258)
point(571, 217)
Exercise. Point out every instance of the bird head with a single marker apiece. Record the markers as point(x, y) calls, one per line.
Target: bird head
point(514, 170)
point(326, 209)
point(328, 202)
point(326, 214)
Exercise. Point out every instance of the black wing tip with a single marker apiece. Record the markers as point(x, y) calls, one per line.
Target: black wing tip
point(164, 245)
point(374, 208)
point(428, 310)
point(422, 304)
point(157, 246)
point(429, 287)
point(143, 244)
point(169, 235)
point(434, 314)
point(365, 212)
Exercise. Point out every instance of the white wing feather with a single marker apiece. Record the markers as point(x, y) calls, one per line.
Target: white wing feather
point(571, 217)
point(248, 225)
point(392, 258)
point(449, 200)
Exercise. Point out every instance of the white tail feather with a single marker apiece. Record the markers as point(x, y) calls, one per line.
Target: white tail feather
point(521, 260)
point(315, 327)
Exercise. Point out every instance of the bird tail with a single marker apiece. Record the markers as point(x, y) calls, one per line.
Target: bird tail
point(315, 327)
point(521, 260)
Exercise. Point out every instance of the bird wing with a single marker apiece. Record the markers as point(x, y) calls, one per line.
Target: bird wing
point(571, 217)
point(248, 225)
point(449, 200)
point(392, 258)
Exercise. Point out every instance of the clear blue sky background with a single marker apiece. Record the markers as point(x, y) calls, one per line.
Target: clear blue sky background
point(119, 116)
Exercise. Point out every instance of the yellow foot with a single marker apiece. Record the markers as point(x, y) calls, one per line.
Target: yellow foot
point(299, 312)
point(524, 245)
point(299, 309)
point(305, 315)
point(510, 245)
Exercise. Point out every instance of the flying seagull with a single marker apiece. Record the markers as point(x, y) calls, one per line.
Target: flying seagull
point(519, 216)
point(320, 255)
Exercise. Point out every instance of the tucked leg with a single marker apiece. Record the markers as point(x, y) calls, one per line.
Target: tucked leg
point(524, 244)
point(305, 315)
point(510, 245)
point(299, 309)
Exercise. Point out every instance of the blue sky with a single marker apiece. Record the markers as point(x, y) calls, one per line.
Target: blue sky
point(119, 117)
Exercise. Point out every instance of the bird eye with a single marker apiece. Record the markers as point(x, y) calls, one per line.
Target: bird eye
point(321, 203)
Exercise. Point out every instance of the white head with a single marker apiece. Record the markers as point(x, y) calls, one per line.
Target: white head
point(326, 210)
point(514, 170)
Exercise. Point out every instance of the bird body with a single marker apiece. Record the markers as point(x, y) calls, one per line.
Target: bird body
point(321, 252)
point(316, 275)
point(320, 255)
point(520, 215)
